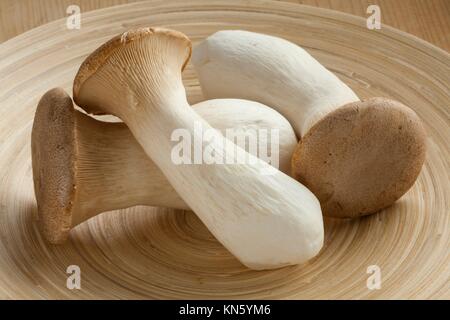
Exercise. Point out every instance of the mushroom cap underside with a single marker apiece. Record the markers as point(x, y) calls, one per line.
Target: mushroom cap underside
point(101, 57)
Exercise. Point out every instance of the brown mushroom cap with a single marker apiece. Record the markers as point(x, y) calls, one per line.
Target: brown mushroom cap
point(107, 55)
point(53, 152)
point(362, 157)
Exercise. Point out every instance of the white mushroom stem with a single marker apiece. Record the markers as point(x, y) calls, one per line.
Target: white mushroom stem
point(271, 70)
point(266, 221)
point(357, 157)
point(113, 171)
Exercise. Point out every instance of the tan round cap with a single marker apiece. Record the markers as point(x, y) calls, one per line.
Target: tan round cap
point(53, 159)
point(362, 157)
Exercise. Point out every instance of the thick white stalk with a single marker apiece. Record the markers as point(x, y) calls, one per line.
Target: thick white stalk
point(270, 70)
point(266, 221)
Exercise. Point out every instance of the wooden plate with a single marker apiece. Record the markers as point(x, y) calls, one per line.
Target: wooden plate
point(154, 253)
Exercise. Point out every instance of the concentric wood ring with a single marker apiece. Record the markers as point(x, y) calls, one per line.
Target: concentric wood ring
point(158, 253)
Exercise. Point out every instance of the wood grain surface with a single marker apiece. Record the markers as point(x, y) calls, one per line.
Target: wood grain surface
point(148, 252)
point(426, 19)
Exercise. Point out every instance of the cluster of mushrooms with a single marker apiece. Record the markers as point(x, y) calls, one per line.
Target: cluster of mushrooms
point(354, 157)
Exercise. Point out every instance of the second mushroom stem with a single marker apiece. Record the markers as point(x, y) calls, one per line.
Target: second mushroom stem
point(114, 172)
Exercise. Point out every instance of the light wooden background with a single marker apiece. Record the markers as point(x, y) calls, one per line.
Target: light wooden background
point(427, 19)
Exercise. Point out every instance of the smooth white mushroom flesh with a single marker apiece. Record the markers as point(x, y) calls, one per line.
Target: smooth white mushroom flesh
point(266, 221)
point(270, 70)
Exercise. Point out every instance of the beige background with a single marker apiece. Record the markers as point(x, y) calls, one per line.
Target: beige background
point(427, 19)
